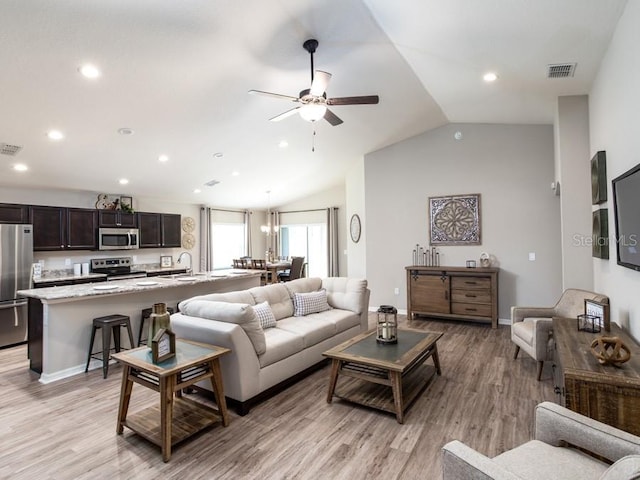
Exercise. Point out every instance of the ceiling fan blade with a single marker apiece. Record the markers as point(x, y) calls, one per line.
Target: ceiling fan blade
point(320, 83)
point(332, 118)
point(364, 100)
point(275, 95)
point(284, 115)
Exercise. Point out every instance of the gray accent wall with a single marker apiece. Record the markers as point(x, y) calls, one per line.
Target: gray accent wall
point(511, 166)
point(614, 116)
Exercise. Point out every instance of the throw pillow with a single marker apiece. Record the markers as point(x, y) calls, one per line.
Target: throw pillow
point(265, 315)
point(312, 302)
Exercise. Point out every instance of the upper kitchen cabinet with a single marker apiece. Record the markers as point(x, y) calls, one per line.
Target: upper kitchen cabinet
point(117, 218)
point(171, 229)
point(59, 228)
point(11, 213)
point(81, 229)
point(159, 229)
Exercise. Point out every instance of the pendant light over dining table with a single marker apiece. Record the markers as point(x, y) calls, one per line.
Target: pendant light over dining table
point(269, 228)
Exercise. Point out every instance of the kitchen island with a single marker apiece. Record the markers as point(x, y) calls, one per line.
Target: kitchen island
point(60, 318)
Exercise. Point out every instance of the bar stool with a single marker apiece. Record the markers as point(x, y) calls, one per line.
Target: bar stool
point(145, 314)
point(107, 324)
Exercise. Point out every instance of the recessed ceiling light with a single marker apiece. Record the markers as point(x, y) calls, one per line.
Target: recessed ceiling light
point(490, 77)
point(235, 173)
point(123, 181)
point(125, 131)
point(20, 167)
point(163, 158)
point(55, 135)
point(89, 71)
point(218, 155)
point(283, 144)
point(197, 190)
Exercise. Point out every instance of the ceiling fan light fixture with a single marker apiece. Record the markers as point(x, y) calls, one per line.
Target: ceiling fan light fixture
point(312, 112)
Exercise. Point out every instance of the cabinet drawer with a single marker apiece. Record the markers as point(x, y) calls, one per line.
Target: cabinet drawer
point(471, 296)
point(471, 283)
point(474, 309)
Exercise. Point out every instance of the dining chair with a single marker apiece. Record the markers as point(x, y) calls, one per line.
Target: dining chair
point(294, 272)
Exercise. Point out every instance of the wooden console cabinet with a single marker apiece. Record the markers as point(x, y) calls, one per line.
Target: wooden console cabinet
point(453, 292)
point(605, 393)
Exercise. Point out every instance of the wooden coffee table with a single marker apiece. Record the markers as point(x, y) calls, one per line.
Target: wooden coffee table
point(177, 417)
point(371, 368)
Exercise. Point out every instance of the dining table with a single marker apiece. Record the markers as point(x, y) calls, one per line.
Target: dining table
point(274, 267)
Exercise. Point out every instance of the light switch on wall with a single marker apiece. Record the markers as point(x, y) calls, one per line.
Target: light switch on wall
point(532, 256)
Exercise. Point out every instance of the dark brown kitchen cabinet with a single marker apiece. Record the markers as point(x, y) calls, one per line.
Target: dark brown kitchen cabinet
point(159, 229)
point(12, 213)
point(48, 227)
point(150, 233)
point(171, 229)
point(59, 228)
point(81, 229)
point(117, 218)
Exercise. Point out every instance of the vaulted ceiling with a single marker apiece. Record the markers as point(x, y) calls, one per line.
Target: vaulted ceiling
point(177, 74)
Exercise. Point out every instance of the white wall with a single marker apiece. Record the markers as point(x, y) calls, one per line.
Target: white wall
point(356, 252)
point(511, 166)
point(64, 198)
point(573, 165)
point(614, 116)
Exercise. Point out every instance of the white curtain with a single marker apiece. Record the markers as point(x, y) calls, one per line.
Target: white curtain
point(274, 243)
point(247, 234)
point(206, 260)
point(333, 269)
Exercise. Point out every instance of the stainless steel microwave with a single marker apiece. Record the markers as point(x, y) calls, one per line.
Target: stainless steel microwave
point(118, 238)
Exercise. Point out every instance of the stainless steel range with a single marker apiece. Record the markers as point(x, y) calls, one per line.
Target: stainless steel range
point(116, 268)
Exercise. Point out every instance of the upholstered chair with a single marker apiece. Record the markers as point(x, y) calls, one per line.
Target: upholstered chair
point(566, 446)
point(531, 326)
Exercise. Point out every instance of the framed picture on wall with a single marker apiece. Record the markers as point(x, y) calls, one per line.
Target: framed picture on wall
point(600, 234)
point(599, 178)
point(454, 220)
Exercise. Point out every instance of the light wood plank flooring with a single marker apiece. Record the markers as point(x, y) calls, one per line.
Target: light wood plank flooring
point(67, 429)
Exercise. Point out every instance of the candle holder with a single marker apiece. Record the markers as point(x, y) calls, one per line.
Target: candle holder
point(387, 329)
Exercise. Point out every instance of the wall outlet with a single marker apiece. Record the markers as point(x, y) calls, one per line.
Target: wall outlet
point(532, 256)
point(67, 262)
point(396, 291)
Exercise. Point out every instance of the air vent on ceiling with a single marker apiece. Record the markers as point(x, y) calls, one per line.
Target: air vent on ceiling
point(12, 150)
point(561, 70)
point(211, 183)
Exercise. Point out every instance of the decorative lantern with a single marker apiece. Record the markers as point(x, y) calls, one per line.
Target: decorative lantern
point(387, 332)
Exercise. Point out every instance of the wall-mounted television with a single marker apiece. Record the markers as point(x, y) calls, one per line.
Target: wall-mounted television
point(626, 207)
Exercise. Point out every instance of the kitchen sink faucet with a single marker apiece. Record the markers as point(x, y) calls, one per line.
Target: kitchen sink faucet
point(190, 269)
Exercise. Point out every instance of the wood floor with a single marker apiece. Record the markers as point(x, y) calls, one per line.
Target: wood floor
point(67, 429)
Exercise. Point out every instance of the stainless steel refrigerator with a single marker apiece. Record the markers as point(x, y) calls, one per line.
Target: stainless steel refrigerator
point(16, 258)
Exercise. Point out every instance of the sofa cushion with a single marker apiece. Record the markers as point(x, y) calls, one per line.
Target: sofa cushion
point(238, 313)
point(278, 298)
point(312, 302)
point(627, 467)
point(535, 460)
point(242, 296)
point(265, 315)
point(303, 285)
point(342, 319)
point(313, 329)
point(345, 293)
point(524, 330)
point(280, 344)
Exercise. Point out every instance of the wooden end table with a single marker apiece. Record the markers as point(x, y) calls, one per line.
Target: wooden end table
point(193, 362)
point(372, 368)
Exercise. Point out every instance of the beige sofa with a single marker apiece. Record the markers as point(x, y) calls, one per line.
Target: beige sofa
point(263, 360)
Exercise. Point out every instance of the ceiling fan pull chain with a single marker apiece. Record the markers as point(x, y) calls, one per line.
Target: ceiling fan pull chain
point(313, 140)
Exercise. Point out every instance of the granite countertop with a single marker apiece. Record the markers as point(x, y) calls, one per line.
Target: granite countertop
point(132, 285)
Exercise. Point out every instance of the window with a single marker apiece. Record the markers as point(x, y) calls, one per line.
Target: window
point(308, 241)
point(227, 241)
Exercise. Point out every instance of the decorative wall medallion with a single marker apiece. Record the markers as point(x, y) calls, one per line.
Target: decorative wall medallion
point(599, 178)
point(355, 228)
point(454, 220)
point(188, 224)
point(600, 233)
point(188, 241)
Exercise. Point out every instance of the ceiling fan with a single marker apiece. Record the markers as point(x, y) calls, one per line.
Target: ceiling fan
point(313, 101)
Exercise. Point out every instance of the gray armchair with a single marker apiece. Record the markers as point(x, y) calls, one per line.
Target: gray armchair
point(553, 453)
point(531, 326)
